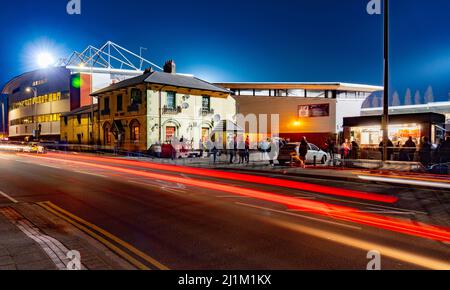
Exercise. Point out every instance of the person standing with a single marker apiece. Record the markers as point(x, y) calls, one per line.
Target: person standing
point(303, 151)
point(411, 149)
point(247, 150)
point(346, 147)
point(390, 150)
point(354, 153)
point(201, 147)
point(425, 152)
point(444, 151)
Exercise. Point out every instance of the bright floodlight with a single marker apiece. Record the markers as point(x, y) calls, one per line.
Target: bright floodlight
point(45, 59)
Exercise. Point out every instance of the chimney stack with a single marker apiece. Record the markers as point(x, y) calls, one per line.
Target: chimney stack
point(148, 70)
point(170, 67)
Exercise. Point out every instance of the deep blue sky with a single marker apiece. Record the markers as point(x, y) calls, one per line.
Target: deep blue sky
point(244, 40)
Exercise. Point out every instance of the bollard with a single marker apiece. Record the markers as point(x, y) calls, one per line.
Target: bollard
point(315, 161)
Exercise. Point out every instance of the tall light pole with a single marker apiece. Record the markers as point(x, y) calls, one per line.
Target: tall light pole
point(385, 123)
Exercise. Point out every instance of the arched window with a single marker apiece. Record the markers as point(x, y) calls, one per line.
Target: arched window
point(135, 130)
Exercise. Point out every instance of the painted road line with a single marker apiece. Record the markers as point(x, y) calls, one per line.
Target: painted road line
point(8, 197)
point(400, 255)
point(434, 184)
point(298, 215)
point(54, 249)
point(405, 177)
point(90, 229)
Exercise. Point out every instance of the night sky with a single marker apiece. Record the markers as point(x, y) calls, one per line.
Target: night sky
point(244, 40)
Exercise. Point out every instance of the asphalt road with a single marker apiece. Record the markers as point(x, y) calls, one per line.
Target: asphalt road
point(217, 224)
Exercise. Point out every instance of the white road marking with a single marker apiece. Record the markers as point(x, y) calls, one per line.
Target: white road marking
point(8, 197)
point(299, 215)
point(406, 181)
point(54, 249)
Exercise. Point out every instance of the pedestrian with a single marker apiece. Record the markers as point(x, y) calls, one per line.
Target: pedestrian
point(444, 151)
point(354, 153)
point(214, 152)
point(345, 149)
point(330, 147)
point(241, 150)
point(201, 147)
point(425, 152)
point(390, 150)
point(247, 150)
point(303, 151)
point(410, 149)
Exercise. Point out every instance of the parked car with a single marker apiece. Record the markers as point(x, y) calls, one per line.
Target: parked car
point(314, 153)
point(34, 148)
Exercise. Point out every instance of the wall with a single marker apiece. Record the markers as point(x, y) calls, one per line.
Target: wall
point(191, 121)
point(291, 126)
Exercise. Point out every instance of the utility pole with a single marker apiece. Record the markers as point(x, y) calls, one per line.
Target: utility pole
point(385, 122)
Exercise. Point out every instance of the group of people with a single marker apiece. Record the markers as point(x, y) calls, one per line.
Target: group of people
point(238, 150)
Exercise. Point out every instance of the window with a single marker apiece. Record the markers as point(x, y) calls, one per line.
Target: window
point(135, 133)
point(79, 119)
point(119, 103)
point(107, 134)
point(106, 104)
point(135, 129)
point(171, 100)
point(136, 96)
point(170, 133)
point(206, 103)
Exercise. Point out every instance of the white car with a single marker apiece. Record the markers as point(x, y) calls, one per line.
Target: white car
point(314, 153)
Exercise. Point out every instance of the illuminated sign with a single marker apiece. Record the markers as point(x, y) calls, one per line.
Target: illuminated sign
point(314, 111)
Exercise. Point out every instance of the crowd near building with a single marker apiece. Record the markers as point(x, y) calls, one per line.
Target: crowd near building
point(135, 108)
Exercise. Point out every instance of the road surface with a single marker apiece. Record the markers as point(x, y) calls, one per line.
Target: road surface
point(193, 220)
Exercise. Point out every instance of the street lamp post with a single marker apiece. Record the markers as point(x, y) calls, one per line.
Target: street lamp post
point(385, 125)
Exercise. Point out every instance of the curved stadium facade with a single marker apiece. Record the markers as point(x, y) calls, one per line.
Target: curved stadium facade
point(37, 99)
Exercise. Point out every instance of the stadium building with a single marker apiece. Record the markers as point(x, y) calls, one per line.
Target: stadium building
point(37, 99)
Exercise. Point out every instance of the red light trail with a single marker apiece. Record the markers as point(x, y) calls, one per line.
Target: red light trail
point(316, 207)
point(327, 190)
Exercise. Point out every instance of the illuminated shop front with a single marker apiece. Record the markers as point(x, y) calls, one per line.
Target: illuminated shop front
point(367, 130)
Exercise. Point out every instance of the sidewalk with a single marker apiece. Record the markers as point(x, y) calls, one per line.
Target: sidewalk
point(33, 239)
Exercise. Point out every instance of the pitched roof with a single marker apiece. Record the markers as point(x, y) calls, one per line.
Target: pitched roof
point(167, 79)
point(79, 111)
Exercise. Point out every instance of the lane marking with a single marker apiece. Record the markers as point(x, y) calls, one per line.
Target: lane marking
point(434, 184)
point(299, 215)
point(405, 177)
point(8, 197)
point(89, 228)
point(54, 249)
point(400, 255)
